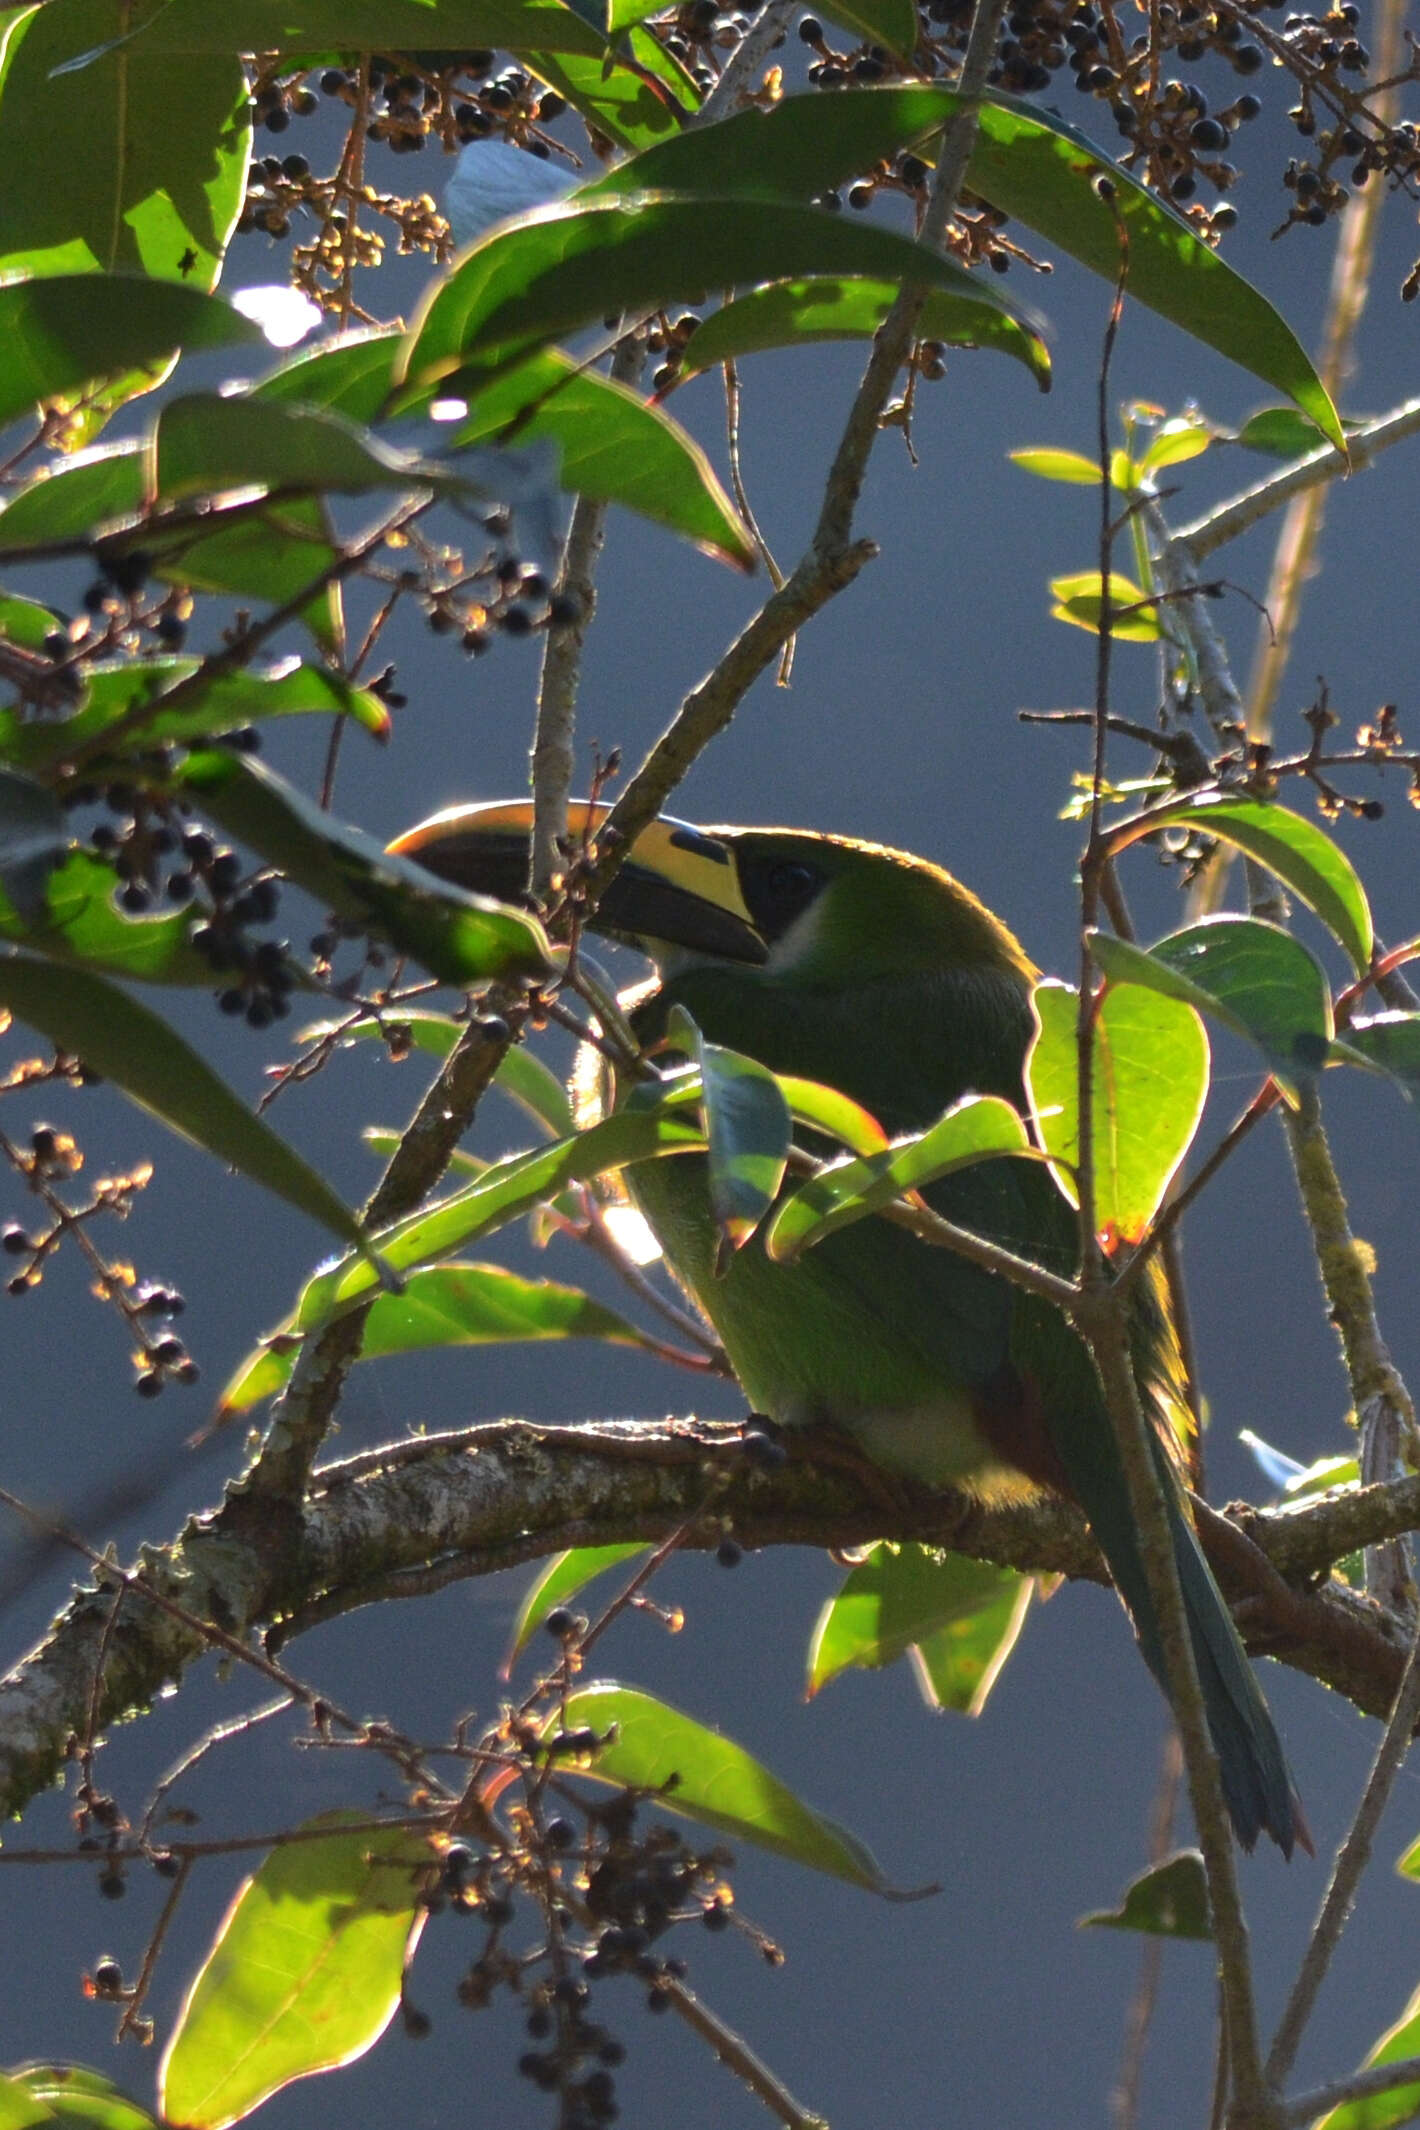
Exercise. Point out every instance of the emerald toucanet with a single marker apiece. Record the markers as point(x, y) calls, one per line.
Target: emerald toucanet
point(880, 975)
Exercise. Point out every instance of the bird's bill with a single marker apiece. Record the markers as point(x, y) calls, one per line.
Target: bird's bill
point(679, 886)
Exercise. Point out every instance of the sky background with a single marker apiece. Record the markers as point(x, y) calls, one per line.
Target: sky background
point(985, 2004)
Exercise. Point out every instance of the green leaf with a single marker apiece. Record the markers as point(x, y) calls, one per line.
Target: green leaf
point(712, 1780)
point(1302, 856)
point(613, 445)
point(1149, 1081)
point(305, 1974)
point(19, 2108)
point(464, 939)
point(79, 921)
point(1169, 1901)
point(1133, 618)
point(94, 1021)
point(957, 1618)
point(227, 702)
point(60, 333)
point(1051, 465)
point(98, 175)
point(1281, 433)
point(206, 442)
point(557, 1581)
point(1390, 1042)
point(77, 499)
point(70, 2092)
point(747, 1129)
point(617, 98)
point(1186, 437)
point(795, 313)
point(891, 23)
point(25, 621)
point(978, 1128)
point(1383, 2110)
point(827, 1110)
point(445, 1305)
point(504, 1191)
point(1026, 161)
point(318, 26)
point(270, 550)
point(530, 1083)
point(568, 265)
point(1253, 977)
point(349, 376)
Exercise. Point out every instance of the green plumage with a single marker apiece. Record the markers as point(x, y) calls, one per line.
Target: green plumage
point(883, 977)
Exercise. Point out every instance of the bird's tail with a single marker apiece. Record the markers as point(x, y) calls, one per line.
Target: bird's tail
point(1257, 1784)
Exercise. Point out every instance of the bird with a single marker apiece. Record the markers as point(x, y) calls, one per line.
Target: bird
point(879, 974)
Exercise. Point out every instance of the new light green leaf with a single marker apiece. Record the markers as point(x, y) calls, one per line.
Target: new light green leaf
point(93, 1020)
point(712, 1780)
point(957, 1618)
point(1386, 2111)
point(1168, 1901)
point(558, 1580)
point(465, 939)
point(1149, 1081)
point(446, 1305)
point(504, 1191)
point(62, 332)
point(71, 2093)
point(1302, 856)
point(19, 2109)
point(566, 266)
point(797, 313)
point(1026, 161)
point(304, 1976)
point(1253, 977)
point(99, 174)
point(1133, 618)
point(1048, 464)
point(978, 1128)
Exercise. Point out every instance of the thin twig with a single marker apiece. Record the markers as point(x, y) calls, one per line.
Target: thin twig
point(737, 2056)
point(1361, 2085)
point(1351, 1860)
point(1228, 521)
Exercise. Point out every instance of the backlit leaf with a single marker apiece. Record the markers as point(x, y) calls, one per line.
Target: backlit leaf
point(958, 1619)
point(1169, 1901)
point(557, 1581)
point(59, 333)
point(1302, 856)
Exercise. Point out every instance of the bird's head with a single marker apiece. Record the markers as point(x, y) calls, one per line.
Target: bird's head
point(797, 906)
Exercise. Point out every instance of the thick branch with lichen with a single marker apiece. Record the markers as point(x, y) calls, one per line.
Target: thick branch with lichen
point(428, 1511)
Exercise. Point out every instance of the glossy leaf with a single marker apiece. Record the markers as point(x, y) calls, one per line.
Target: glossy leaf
point(1133, 618)
point(205, 442)
point(957, 1618)
point(464, 939)
point(504, 1191)
point(747, 1128)
point(1280, 433)
point(1253, 977)
point(797, 313)
point(306, 26)
point(60, 333)
point(228, 701)
point(76, 499)
point(613, 446)
point(98, 177)
point(305, 1974)
point(1048, 464)
point(1383, 2111)
point(94, 1021)
point(568, 266)
point(444, 1305)
point(71, 2093)
point(558, 1580)
point(711, 1779)
point(978, 1128)
point(1027, 161)
point(1302, 856)
point(1390, 1042)
point(618, 98)
point(1149, 1081)
point(1169, 1901)
point(79, 921)
point(825, 1109)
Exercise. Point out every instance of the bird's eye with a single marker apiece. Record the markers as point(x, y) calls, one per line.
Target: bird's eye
point(789, 883)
